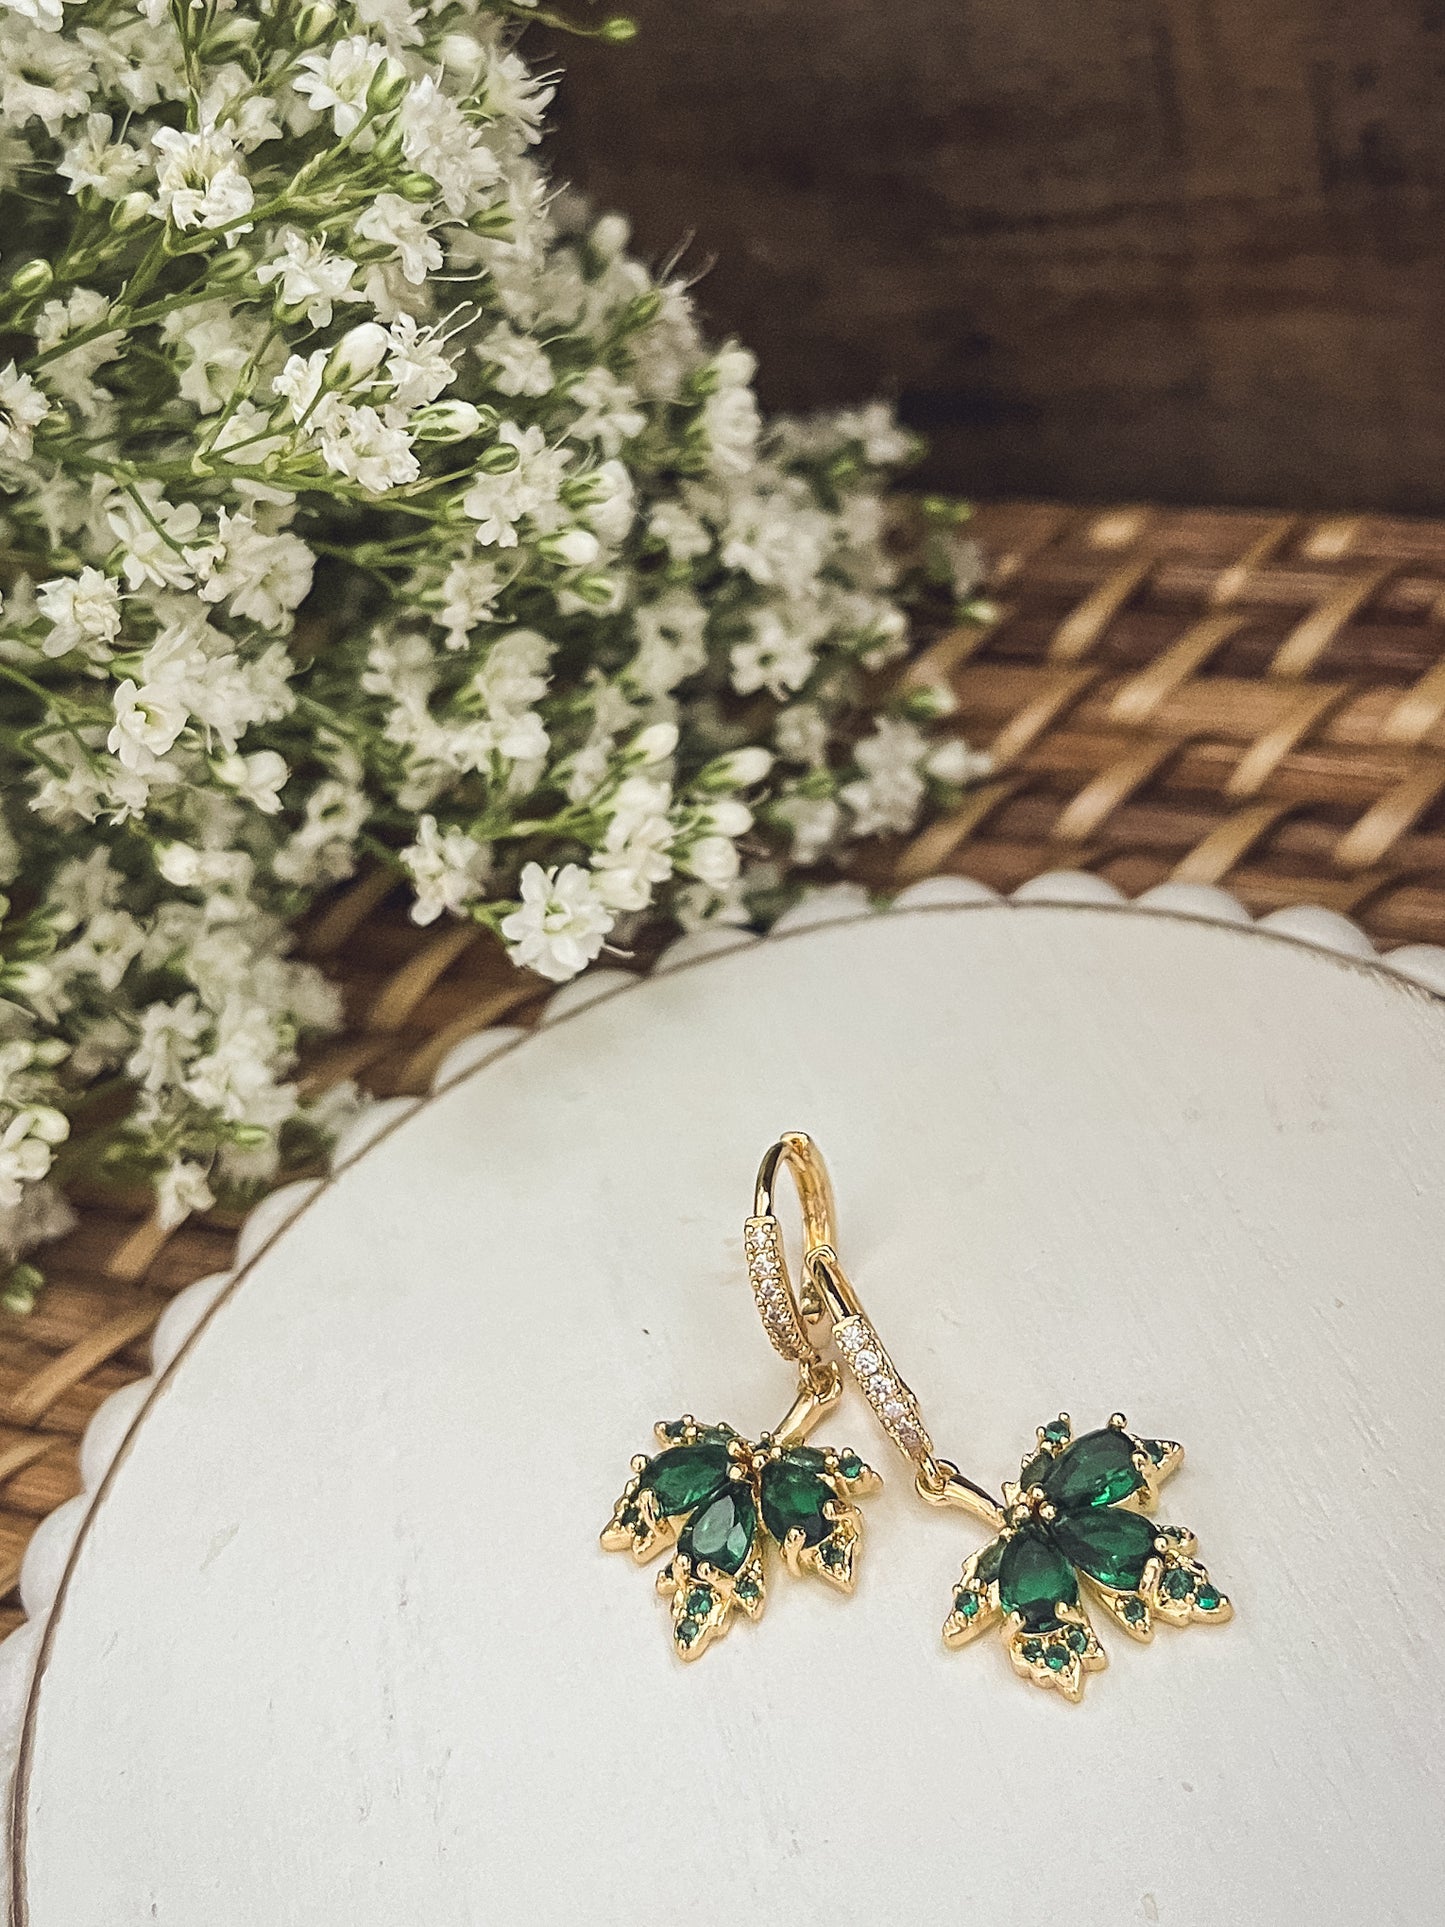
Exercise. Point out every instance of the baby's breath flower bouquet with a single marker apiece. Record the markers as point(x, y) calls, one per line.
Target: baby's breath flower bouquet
point(364, 501)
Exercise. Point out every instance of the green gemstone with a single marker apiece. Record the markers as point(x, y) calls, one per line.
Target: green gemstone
point(1096, 1470)
point(1178, 1583)
point(721, 1532)
point(985, 1567)
point(1056, 1659)
point(1134, 1610)
point(1036, 1470)
point(1112, 1547)
point(674, 1428)
point(627, 1517)
point(748, 1590)
point(1207, 1599)
point(1033, 1649)
point(1159, 1449)
point(1034, 1578)
point(966, 1605)
point(1076, 1639)
point(850, 1465)
point(793, 1500)
point(833, 1555)
point(699, 1602)
point(1057, 1431)
point(805, 1457)
point(687, 1631)
point(685, 1475)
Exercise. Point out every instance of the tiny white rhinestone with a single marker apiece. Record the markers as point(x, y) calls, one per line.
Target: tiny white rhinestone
point(893, 1411)
point(882, 1387)
point(867, 1361)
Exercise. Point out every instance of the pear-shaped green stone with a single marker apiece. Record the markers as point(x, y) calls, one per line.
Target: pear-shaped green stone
point(987, 1564)
point(793, 1499)
point(1034, 1578)
point(683, 1476)
point(721, 1532)
point(1096, 1470)
point(1112, 1547)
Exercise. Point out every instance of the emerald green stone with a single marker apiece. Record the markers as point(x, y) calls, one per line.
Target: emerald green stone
point(1057, 1431)
point(687, 1631)
point(1036, 1470)
point(748, 1590)
point(685, 1475)
point(1033, 1649)
point(793, 1500)
point(1034, 1578)
point(699, 1602)
point(1178, 1583)
point(674, 1428)
point(1159, 1449)
point(1056, 1659)
point(1112, 1547)
point(985, 1567)
point(833, 1555)
point(1207, 1599)
point(1076, 1639)
point(627, 1517)
point(721, 1532)
point(1134, 1610)
point(1096, 1470)
point(805, 1457)
point(966, 1605)
point(850, 1465)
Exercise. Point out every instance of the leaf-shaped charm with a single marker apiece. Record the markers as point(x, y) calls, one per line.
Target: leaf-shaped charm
point(721, 1531)
point(1036, 1583)
point(695, 1463)
point(1180, 1589)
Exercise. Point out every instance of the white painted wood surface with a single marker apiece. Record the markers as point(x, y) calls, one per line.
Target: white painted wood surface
point(340, 1649)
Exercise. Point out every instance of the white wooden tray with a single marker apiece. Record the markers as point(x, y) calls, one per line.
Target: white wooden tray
point(337, 1646)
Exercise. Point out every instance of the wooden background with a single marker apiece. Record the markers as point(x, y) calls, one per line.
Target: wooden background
point(1191, 250)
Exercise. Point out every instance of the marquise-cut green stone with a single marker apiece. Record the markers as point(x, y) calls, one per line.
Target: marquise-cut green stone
point(1096, 1470)
point(1034, 1578)
point(721, 1532)
point(985, 1567)
point(806, 1457)
point(1036, 1470)
point(685, 1475)
point(1178, 1583)
point(1112, 1547)
point(793, 1500)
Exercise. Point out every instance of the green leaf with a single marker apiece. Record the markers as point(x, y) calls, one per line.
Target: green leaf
point(721, 1532)
point(1034, 1578)
point(794, 1496)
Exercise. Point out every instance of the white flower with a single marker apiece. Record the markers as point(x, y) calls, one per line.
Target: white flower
point(814, 822)
point(439, 141)
point(156, 537)
point(671, 642)
point(778, 657)
point(27, 1149)
point(887, 796)
point(22, 408)
point(731, 423)
point(518, 364)
point(311, 279)
point(265, 577)
point(200, 181)
point(448, 868)
point(168, 1034)
point(954, 762)
point(802, 734)
point(337, 81)
point(609, 411)
point(181, 1189)
point(498, 503)
point(417, 366)
point(82, 610)
point(399, 225)
point(469, 595)
point(46, 14)
point(713, 860)
point(258, 778)
point(635, 855)
point(147, 723)
point(109, 168)
point(684, 535)
point(561, 924)
point(370, 451)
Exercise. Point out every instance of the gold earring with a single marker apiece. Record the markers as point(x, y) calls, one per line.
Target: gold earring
point(712, 1497)
point(1074, 1524)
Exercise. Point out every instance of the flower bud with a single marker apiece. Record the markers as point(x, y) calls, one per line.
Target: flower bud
point(653, 744)
point(22, 1288)
point(43, 1121)
point(738, 770)
point(570, 548)
point(641, 312)
point(729, 817)
point(130, 211)
point(230, 269)
point(250, 1137)
point(597, 589)
point(713, 860)
point(492, 223)
point(417, 187)
point(618, 30)
point(446, 421)
point(313, 23)
point(33, 278)
point(929, 701)
point(229, 37)
point(390, 143)
point(388, 86)
point(498, 459)
point(359, 351)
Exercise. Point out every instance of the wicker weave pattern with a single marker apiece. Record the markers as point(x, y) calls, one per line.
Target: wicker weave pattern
point(1253, 700)
point(1250, 700)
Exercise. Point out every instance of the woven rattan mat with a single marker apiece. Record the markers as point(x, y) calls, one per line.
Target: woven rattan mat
point(1255, 700)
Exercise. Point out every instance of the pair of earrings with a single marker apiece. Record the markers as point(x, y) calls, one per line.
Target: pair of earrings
point(1076, 1523)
